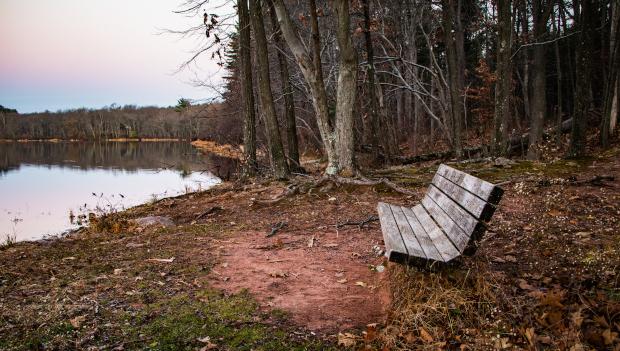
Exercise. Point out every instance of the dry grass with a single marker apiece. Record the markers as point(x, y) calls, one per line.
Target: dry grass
point(224, 150)
point(446, 308)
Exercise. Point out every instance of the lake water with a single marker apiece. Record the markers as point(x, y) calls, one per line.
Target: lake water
point(42, 183)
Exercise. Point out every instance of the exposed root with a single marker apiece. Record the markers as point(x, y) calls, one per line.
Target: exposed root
point(305, 187)
point(208, 212)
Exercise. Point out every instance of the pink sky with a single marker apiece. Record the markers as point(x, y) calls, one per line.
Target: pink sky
point(84, 53)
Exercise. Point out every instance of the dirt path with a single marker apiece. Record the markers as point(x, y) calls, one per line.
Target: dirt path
point(330, 286)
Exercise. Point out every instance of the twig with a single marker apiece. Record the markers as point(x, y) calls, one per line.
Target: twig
point(276, 228)
point(207, 212)
point(360, 224)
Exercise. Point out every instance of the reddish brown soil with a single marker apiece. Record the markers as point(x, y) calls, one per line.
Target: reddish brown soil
point(283, 272)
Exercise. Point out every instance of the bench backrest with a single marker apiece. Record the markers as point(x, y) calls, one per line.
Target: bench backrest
point(460, 204)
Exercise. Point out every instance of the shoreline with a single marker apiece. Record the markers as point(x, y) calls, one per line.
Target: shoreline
point(130, 140)
point(314, 282)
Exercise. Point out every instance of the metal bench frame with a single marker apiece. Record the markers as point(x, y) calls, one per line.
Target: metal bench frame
point(446, 224)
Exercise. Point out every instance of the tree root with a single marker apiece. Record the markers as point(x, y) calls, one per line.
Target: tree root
point(208, 212)
point(306, 187)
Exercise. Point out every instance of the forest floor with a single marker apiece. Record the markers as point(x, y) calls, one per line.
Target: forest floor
point(546, 275)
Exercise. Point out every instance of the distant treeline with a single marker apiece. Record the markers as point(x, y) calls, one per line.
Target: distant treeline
point(129, 156)
point(182, 122)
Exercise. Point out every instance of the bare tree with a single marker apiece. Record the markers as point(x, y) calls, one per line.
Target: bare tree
point(337, 135)
point(287, 92)
point(583, 93)
point(450, 14)
point(247, 92)
point(276, 150)
point(503, 85)
point(541, 10)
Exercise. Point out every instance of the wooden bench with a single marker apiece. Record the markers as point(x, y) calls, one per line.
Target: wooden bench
point(448, 222)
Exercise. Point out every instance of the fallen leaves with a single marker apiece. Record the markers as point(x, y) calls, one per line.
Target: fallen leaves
point(77, 321)
point(209, 345)
point(530, 335)
point(347, 339)
point(278, 274)
point(426, 336)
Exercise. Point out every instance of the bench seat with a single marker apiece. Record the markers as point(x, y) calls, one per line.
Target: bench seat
point(447, 223)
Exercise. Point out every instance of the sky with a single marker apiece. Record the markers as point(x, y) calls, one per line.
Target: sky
point(65, 54)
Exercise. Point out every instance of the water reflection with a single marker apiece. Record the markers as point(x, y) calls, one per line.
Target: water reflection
point(42, 183)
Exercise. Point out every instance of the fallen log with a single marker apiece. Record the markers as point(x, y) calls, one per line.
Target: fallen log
point(516, 145)
point(522, 142)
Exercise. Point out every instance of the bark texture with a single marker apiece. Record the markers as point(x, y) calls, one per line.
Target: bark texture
point(538, 99)
point(313, 75)
point(287, 91)
point(456, 109)
point(503, 85)
point(272, 130)
point(247, 93)
point(347, 90)
point(583, 94)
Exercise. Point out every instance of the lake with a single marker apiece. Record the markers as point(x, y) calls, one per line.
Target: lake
point(45, 186)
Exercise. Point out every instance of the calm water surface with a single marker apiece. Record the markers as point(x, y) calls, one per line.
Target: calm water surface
point(42, 183)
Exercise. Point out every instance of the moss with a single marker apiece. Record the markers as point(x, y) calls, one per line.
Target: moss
point(232, 322)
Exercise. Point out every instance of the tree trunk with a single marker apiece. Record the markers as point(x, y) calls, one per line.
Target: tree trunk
point(247, 93)
point(583, 96)
point(558, 68)
point(503, 85)
point(313, 75)
point(287, 92)
point(372, 132)
point(346, 93)
point(610, 114)
point(278, 160)
point(456, 111)
point(538, 99)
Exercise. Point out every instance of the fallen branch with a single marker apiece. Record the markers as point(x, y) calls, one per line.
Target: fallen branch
point(208, 212)
point(597, 180)
point(360, 224)
point(276, 228)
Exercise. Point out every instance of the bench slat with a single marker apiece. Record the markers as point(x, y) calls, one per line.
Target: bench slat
point(395, 249)
point(425, 241)
point(409, 238)
point(458, 237)
point(442, 243)
point(471, 203)
point(483, 189)
point(464, 220)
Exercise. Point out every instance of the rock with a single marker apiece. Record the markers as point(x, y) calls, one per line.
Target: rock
point(502, 162)
point(154, 220)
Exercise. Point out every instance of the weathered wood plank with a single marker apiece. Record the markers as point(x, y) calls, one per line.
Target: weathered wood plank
point(459, 238)
point(483, 189)
point(425, 241)
point(395, 249)
point(442, 243)
point(409, 238)
point(459, 216)
point(471, 203)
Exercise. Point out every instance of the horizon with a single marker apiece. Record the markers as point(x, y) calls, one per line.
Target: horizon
point(70, 54)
